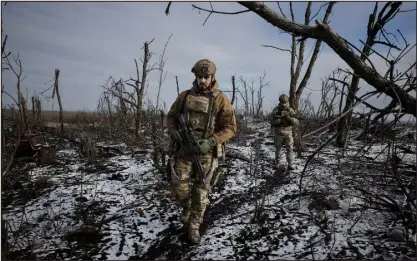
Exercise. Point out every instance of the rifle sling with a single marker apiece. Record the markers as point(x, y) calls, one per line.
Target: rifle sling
point(183, 109)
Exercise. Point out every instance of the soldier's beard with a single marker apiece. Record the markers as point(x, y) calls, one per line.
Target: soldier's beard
point(203, 86)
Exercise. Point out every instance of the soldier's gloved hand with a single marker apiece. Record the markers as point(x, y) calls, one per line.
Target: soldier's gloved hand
point(205, 145)
point(174, 135)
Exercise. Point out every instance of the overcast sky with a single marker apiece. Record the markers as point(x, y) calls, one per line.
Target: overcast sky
point(91, 41)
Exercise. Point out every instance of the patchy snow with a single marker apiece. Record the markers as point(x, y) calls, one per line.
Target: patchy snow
point(139, 216)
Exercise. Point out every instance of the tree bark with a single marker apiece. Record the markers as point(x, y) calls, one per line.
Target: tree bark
point(146, 58)
point(178, 87)
point(313, 60)
point(61, 118)
point(234, 90)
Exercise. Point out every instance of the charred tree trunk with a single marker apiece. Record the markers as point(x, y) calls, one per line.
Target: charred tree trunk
point(260, 96)
point(178, 87)
point(373, 29)
point(33, 110)
point(58, 96)
point(39, 111)
point(36, 111)
point(295, 70)
point(252, 93)
point(23, 109)
point(146, 58)
point(233, 90)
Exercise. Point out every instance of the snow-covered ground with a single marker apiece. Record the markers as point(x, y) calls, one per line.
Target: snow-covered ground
point(120, 208)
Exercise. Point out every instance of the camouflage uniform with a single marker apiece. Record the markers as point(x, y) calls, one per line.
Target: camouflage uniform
point(282, 120)
point(221, 127)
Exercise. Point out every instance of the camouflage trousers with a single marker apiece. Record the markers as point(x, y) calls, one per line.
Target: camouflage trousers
point(284, 135)
point(195, 199)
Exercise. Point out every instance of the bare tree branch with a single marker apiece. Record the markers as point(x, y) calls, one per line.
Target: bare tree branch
point(405, 41)
point(323, 5)
point(282, 12)
point(387, 44)
point(406, 11)
point(212, 11)
point(167, 9)
point(340, 46)
point(286, 50)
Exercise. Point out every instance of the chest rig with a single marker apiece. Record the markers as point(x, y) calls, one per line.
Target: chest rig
point(279, 120)
point(197, 111)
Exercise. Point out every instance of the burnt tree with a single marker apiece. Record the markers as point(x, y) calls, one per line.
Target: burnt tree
point(375, 25)
point(139, 85)
point(58, 96)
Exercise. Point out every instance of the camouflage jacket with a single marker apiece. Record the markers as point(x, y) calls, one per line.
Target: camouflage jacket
point(222, 126)
point(278, 120)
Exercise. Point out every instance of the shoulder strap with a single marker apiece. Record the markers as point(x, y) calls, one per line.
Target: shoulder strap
point(208, 115)
point(183, 101)
point(183, 109)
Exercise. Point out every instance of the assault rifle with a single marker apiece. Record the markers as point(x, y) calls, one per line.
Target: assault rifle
point(189, 147)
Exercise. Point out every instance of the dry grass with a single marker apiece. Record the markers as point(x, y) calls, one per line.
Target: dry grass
point(53, 116)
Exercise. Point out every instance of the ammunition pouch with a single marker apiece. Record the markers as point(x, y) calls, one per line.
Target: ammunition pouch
point(219, 151)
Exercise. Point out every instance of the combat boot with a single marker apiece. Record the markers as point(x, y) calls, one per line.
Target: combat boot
point(185, 216)
point(194, 236)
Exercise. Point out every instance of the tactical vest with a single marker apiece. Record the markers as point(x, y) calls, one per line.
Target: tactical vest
point(281, 122)
point(198, 112)
point(201, 123)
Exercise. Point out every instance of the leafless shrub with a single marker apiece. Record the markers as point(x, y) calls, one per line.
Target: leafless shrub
point(21, 101)
point(253, 104)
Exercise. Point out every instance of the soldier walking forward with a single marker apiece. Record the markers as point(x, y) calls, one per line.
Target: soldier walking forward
point(283, 120)
point(200, 122)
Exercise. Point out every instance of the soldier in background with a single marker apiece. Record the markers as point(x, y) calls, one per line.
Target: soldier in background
point(211, 122)
point(283, 120)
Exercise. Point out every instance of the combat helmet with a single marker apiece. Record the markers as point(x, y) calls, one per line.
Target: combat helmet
point(204, 67)
point(283, 98)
